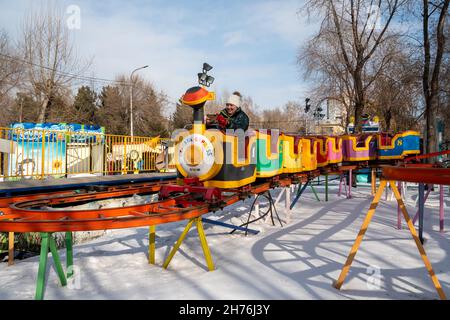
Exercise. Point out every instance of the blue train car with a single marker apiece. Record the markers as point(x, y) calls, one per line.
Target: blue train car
point(399, 145)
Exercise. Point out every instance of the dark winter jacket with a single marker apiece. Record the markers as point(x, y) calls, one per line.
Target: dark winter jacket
point(239, 120)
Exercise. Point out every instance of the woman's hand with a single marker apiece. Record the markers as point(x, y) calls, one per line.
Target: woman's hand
point(222, 121)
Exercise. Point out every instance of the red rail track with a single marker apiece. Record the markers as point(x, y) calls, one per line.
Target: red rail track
point(59, 197)
point(417, 174)
point(28, 215)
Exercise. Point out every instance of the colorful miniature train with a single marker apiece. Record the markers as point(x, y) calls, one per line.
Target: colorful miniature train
point(267, 154)
point(224, 160)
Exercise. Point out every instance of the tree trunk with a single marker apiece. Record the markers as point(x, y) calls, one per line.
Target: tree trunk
point(429, 116)
point(43, 111)
point(430, 80)
point(431, 141)
point(359, 98)
point(358, 112)
point(387, 119)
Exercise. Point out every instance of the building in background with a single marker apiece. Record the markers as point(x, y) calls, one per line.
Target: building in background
point(332, 123)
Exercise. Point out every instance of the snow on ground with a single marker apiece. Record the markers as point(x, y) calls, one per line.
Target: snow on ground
point(297, 261)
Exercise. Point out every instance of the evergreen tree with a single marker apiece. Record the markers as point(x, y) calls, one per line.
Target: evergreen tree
point(26, 108)
point(85, 105)
point(148, 105)
point(112, 113)
point(182, 116)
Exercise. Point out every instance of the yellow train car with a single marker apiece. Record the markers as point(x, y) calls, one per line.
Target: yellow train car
point(309, 154)
point(292, 154)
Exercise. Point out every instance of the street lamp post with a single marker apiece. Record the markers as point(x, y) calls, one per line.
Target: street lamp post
point(318, 116)
point(131, 98)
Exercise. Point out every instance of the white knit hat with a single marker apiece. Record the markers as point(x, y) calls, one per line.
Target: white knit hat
point(234, 99)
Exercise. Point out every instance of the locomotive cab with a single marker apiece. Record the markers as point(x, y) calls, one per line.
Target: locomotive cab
point(216, 159)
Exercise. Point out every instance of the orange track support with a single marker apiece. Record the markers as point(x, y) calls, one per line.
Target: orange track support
point(391, 174)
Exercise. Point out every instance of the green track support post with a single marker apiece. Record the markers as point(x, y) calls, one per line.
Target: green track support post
point(326, 187)
point(69, 254)
point(48, 243)
point(314, 191)
point(42, 267)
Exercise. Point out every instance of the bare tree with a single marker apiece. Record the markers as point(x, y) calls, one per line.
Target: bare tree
point(396, 90)
point(359, 27)
point(10, 67)
point(323, 63)
point(250, 108)
point(49, 56)
point(444, 99)
point(290, 118)
point(432, 64)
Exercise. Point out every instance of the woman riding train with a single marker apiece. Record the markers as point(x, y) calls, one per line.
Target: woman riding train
point(232, 117)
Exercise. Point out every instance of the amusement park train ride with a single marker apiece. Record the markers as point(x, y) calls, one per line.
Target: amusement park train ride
point(216, 169)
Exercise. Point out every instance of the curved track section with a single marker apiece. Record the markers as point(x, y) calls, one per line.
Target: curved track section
point(39, 216)
point(29, 220)
point(89, 193)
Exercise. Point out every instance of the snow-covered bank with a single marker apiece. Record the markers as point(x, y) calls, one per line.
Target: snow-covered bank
point(298, 261)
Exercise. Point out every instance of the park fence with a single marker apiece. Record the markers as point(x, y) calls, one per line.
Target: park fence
point(38, 154)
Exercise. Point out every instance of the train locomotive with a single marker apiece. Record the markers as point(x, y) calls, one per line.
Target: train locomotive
point(229, 160)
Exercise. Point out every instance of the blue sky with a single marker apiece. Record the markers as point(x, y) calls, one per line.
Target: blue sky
point(252, 45)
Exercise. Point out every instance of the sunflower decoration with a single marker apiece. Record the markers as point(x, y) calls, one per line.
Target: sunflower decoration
point(153, 142)
point(57, 164)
